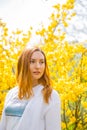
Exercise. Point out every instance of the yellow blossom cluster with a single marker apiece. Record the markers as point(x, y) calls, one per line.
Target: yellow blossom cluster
point(11, 46)
point(68, 70)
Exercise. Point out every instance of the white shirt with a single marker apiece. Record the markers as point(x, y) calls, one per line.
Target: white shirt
point(32, 114)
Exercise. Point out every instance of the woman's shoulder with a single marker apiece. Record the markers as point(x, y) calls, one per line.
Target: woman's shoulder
point(55, 93)
point(55, 97)
point(11, 93)
point(12, 90)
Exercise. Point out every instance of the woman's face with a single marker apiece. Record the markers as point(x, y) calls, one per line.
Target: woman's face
point(37, 65)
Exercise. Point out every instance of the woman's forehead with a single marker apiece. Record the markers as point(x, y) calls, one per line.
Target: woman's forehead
point(37, 55)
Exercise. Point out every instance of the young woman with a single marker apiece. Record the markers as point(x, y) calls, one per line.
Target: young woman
point(32, 104)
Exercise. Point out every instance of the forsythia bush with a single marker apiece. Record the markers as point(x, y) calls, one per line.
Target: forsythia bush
point(68, 67)
point(11, 46)
point(67, 63)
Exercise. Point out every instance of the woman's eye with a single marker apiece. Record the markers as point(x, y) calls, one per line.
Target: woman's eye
point(32, 61)
point(41, 62)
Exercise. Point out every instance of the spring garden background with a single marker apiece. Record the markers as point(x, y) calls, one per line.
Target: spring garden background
point(67, 62)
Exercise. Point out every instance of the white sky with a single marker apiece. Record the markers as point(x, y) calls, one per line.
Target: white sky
point(22, 14)
point(25, 13)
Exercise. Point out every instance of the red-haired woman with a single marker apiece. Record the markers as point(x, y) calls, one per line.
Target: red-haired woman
point(32, 104)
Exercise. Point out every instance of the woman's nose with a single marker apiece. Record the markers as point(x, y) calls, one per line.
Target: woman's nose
point(37, 65)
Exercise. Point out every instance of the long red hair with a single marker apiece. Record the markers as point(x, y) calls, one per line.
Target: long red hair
point(24, 79)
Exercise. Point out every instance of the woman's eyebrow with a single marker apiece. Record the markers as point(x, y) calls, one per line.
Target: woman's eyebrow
point(36, 59)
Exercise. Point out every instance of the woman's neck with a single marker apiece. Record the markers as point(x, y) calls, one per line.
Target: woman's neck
point(35, 83)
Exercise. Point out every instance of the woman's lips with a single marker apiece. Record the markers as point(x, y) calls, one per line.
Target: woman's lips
point(36, 72)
